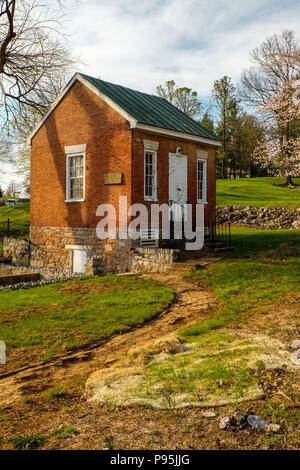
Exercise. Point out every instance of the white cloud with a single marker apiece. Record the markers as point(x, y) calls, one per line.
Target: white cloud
point(141, 43)
point(7, 174)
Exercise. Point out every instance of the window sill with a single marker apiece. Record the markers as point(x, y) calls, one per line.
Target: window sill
point(202, 202)
point(150, 199)
point(74, 200)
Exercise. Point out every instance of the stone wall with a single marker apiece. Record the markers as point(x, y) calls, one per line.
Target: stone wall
point(16, 251)
point(51, 247)
point(152, 260)
point(262, 217)
point(9, 280)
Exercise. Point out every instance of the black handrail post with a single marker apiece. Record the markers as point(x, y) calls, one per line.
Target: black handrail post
point(7, 228)
point(229, 233)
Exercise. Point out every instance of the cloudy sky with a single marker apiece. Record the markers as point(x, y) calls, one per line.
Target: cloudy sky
point(142, 43)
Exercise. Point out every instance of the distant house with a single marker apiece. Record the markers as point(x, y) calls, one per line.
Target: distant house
point(100, 141)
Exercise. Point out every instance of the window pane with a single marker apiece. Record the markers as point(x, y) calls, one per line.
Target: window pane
point(72, 166)
point(200, 180)
point(76, 182)
point(149, 174)
point(76, 188)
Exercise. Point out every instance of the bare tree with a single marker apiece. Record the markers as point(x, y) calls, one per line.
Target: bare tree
point(13, 189)
point(34, 58)
point(275, 62)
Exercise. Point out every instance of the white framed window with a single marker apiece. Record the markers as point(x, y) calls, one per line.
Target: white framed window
point(201, 179)
point(150, 175)
point(75, 173)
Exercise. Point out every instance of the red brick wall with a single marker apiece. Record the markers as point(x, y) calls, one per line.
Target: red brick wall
point(81, 117)
point(168, 145)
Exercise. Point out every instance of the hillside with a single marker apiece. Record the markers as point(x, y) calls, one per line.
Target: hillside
point(259, 192)
point(19, 218)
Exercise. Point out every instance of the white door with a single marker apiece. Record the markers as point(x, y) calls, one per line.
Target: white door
point(79, 258)
point(178, 183)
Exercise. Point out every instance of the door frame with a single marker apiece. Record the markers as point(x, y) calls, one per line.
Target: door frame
point(187, 183)
point(183, 205)
point(73, 248)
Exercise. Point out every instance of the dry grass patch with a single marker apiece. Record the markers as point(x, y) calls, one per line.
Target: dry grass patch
point(219, 368)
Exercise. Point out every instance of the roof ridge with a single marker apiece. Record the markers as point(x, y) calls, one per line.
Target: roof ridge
point(117, 84)
point(143, 110)
point(174, 120)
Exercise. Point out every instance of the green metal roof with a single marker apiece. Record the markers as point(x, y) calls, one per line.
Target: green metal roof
point(150, 109)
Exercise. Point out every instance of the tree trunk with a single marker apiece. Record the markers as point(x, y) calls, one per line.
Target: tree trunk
point(288, 181)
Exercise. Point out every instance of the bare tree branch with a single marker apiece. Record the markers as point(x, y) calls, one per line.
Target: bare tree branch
point(34, 59)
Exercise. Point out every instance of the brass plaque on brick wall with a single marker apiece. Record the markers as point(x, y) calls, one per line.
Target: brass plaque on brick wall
point(112, 178)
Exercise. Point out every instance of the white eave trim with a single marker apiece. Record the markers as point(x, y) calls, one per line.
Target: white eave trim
point(180, 135)
point(95, 90)
point(133, 122)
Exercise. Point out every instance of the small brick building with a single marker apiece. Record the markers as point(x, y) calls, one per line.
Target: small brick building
point(100, 141)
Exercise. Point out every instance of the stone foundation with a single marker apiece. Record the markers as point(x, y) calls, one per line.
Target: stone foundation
point(49, 250)
point(16, 251)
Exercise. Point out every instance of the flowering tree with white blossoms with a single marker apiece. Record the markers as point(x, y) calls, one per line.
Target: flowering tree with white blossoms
point(272, 85)
point(280, 151)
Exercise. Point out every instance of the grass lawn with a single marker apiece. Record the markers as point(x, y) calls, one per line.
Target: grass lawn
point(19, 221)
point(257, 289)
point(236, 353)
point(259, 192)
point(38, 323)
point(260, 275)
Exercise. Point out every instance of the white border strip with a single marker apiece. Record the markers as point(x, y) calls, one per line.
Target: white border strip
point(133, 122)
point(91, 87)
point(180, 135)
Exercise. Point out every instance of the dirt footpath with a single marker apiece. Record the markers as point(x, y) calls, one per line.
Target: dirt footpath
point(191, 304)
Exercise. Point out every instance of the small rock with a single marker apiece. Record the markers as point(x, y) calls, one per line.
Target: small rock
point(295, 358)
point(295, 344)
point(257, 423)
point(208, 414)
point(263, 424)
point(224, 422)
point(239, 417)
point(273, 427)
point(253, 421)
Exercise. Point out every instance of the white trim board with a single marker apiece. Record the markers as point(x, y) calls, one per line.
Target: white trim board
point(133, 122)
point(91, 87)
point(77, 247)
point(180, 135)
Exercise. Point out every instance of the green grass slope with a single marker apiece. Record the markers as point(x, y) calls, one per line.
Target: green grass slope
point(19, 218)
point(47, 320)
point(259, 192)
